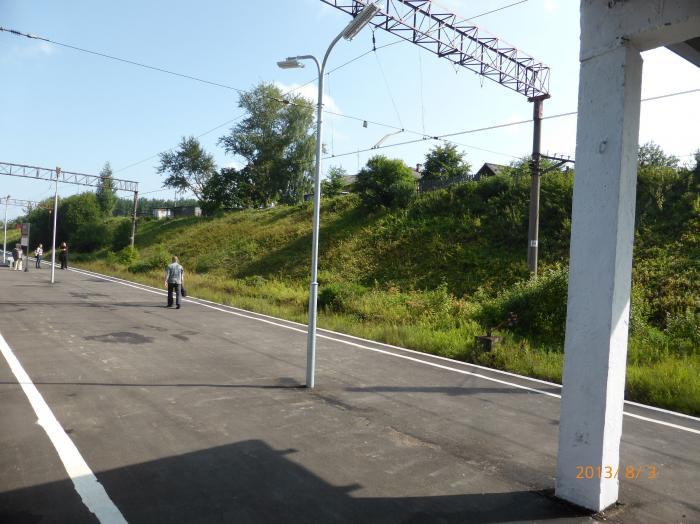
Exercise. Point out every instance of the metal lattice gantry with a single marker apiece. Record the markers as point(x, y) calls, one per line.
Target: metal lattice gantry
point(462, 43)
point(67, 177)
point(456, 39)
point(27, 204)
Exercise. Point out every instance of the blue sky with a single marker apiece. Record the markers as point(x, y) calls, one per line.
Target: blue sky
point(78, 111)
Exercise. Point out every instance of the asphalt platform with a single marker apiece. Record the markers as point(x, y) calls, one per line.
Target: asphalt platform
point(200, 415)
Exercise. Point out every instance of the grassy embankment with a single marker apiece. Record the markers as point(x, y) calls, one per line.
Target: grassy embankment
point(448, 268)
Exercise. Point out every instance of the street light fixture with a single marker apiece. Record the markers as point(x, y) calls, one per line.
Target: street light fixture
point(350, 31)
point(290, 63)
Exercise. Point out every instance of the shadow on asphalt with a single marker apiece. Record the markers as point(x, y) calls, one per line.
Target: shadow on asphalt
point(155, 304)
point(172, 385)
point(249, 481)
point(448, 390)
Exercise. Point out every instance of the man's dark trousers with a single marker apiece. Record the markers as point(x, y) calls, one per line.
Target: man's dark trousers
point(173, 288)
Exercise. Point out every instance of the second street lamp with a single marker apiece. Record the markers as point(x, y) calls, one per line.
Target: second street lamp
point(350, 31)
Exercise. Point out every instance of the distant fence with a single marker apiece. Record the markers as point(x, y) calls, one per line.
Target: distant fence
point(433, 185)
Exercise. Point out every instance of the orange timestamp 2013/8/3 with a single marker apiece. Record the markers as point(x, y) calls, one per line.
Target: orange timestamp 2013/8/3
point(629, 472)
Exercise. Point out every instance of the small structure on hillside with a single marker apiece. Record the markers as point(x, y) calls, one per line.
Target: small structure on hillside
point(187, 211)
point(489, 169)
point(160, 213)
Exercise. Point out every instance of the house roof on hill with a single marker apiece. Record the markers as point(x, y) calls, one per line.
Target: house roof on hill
point(489, 169)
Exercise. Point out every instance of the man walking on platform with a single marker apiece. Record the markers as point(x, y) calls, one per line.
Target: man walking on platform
point(174, 279)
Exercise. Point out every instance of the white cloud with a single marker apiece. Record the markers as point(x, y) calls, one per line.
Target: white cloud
point(310, 92)
point(235, 165)
point(550, 6)
point(46, 48)
point(29, 50)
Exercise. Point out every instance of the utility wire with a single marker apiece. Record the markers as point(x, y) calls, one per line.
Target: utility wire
point(499, 126)
point(217, 84)
point(174, 73)
point(496, 10)
point(287, 94)
point(208, 82)
point(386, 84)
point(198, 136)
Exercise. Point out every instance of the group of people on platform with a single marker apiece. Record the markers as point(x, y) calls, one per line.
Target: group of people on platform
point(174, 273)
point(18, 256)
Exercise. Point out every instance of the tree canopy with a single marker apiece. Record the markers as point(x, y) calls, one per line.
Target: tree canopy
point(334, 184)
point(188, 168)
point(385, 182)
point(444, 162)
point(106, 195)
point(231, 189)
point(651, 155)
point(276, 142)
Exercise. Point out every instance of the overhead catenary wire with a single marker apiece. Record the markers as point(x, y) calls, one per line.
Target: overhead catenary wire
point(198, 136)
point(500, 126)
point(175, 73)
point(423, 136)
point(218, 84)
point(386, 84)
point(497, 10)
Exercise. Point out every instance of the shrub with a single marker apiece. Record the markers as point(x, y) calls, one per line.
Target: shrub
point(337, 296)
point(255, 281)
point(683, 330)
point(91, 236)
point(121, 235)
point(539, 304)
point(127, 256)
point(158, 260)
point(385, 183)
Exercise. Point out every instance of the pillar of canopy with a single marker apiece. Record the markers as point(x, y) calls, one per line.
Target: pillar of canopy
point(613, 34)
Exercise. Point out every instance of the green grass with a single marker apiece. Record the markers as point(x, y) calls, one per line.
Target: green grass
point(446, 269)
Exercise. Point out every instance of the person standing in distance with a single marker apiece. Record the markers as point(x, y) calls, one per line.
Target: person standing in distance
point(63, 256)
point(174, 279)
point(39, 253)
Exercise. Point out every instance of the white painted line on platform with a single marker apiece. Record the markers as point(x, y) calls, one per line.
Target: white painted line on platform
point(86, 484)
point(151, 289)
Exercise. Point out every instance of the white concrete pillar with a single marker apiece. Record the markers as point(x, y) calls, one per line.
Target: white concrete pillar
point(602, 234)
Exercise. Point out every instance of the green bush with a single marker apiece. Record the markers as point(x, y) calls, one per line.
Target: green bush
point(337, 296)
point(158, 260)
point(127, 256)
point(255, 281)
point(539, 304)
point(121, 235)
point(91, 236)
point(385, 183)
point(684, 331)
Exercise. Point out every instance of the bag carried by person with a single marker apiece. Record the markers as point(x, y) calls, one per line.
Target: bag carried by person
point(183, 292)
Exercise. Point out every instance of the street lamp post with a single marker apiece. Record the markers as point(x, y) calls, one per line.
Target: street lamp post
point(55, 215)
point(352, 29)
point(4, 242)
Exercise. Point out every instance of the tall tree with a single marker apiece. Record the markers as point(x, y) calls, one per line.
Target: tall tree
point(651, 155)
point(187, 168)
point(276, 142)
point(335, 182)
point(106, 195)
point(444, 162)
point(230, 189)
